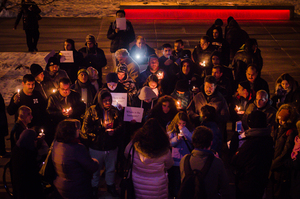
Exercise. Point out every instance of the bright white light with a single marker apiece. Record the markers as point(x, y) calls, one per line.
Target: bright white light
point(138, 56)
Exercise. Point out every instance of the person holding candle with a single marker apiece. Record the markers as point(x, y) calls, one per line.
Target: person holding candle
point(180, 135)
point(31, 98)
point(201, 55)
point(240, 102)
point(182, 94)
point(102, 127)
point(154, 83)
point(64, 104)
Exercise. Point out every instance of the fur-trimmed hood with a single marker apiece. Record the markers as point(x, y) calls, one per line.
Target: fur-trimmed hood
point(146, 154)
point(293, 113)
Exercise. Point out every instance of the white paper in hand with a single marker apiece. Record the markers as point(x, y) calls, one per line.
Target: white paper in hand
point(121, 23)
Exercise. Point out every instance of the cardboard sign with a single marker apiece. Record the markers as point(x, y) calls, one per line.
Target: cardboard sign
point(51, 54)
point(66, 57)
point(119, 98)
point(121, 23)
point(133, 113)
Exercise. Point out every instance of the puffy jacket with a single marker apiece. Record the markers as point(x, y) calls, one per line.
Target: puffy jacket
point(93, 126)
point(74, 167)
point(149, 175)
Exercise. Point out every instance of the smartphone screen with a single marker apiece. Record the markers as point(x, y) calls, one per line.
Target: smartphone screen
point(238, 126)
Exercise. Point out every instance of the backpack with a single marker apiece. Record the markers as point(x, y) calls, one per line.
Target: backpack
point(193, 186)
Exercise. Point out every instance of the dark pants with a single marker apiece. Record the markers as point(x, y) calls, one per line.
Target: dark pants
point(2, 144)
point(32, 37)
point(174, 180)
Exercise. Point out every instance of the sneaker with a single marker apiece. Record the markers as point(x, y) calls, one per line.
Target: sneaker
point(112, 190)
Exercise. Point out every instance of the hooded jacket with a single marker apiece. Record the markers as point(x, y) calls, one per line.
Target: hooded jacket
point(93, 125)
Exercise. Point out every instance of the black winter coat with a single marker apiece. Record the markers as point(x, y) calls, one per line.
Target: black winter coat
point(122, 39)
point(30, 12)
point(252, 162)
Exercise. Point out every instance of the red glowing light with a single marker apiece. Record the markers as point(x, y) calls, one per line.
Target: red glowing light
point(238, 14)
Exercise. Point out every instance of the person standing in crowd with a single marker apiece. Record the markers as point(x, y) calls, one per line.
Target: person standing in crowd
point(128, 84)
point(208, 115)
point(201, 56)
point(180, 135)
point(31, 15)
point(252, 160)
point(84, 87)
point(24, 167)
point(120, 38)
point(153, 68)
point(257, 83)
point(63, 104)
point(124, 58)
point(209, 95)
point(286, 91)
point(93, 55)
point(218, 23)
point(53, 73)
point(42, 86)
point(179, 53)
point(102, 126)
point(72, 162)
point(3, 127)
point(187, 72)
point(216, 180)
point(249, 55)
point(220, 44)
point(94, 78)
point(152, 157)
point(164, 110)
point(72, 68)
point(182, 95)
point(113, 85)
point(263, 104)
point(140, 51)
point(31, 98)
point(235, 36)
point(283, 137)
point(24, 118)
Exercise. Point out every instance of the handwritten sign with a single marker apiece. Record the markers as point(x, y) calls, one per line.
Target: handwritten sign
point(119, 98)
point(121, 23)
point(133, 113)
point(66, 57)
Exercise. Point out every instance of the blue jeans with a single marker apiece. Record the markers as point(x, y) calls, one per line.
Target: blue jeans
point(107, 159)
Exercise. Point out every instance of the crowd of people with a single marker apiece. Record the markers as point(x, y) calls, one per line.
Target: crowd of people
point(188, 99)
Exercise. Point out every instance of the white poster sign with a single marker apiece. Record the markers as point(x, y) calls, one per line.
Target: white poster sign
point(119, 98)
point(133, 113)
point(66, 57)
point(121, 23)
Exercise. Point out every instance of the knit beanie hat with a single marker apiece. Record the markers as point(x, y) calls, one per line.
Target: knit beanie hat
point(53, 61)
point(93, 73)
point(112, 77)
point(36, 69)
point(246, 85)
point(284, 114)
point(257, 119)
point(219, 22)
point(90, 38)
point(147, 93)
point(83, 70)
point(182, 85)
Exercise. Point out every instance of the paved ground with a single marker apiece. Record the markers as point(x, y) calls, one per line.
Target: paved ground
point(279, 41)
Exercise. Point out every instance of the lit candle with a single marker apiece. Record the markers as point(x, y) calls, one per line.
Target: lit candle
point(54, 90)
point(194, 87)
point(204, 63)
point(42, 132)
point(18, 91)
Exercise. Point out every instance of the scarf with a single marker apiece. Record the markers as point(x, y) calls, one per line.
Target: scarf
point(296, 148)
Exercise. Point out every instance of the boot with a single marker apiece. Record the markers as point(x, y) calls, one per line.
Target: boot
point(112, 190)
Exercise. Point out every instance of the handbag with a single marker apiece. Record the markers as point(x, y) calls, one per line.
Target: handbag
point(47, 170)
point(126, 185)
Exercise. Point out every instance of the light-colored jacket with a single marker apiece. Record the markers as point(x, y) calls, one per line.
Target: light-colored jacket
point(149, 175)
